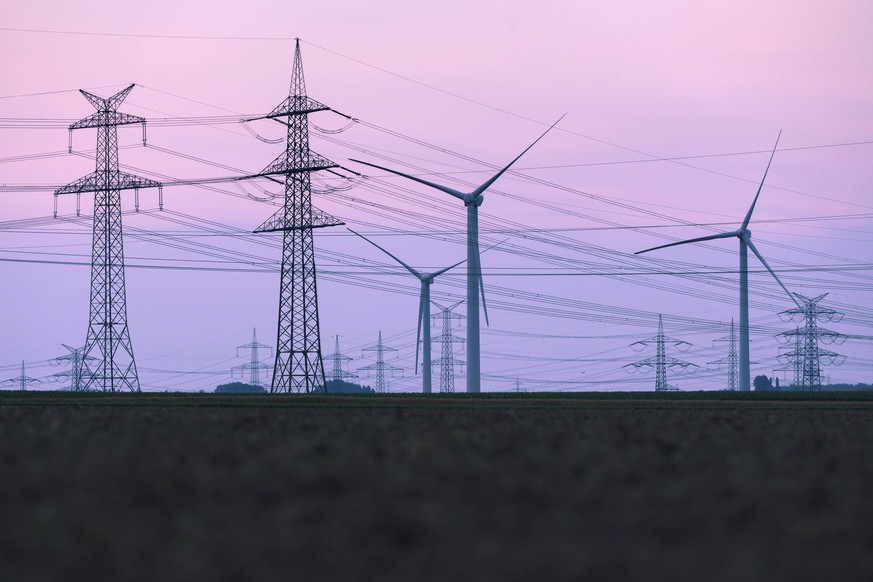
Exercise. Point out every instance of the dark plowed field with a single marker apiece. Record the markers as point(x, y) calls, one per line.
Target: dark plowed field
point(695, 487)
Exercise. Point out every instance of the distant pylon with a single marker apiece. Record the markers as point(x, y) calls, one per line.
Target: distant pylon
point(299, 366)
point(447, 360)
point(661, 361)
point(380, 367)
point(75, 373)
point(810, 336)
point(254, 366)
point(337, 373)
point(22, 381)
point(731, 361)
point(108, 340)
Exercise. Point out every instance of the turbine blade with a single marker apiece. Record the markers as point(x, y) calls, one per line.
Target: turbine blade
point(418, 334)
point(433, 276)
point(408, 268)
point(691, 240)
point(755, 201)
point(485, 186)
point(446, 189)
point(772, 272)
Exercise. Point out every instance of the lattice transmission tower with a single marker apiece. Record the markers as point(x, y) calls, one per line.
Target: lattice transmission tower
point(660, 362)
point(731, 361)
point(23, 381)
point(299, 366)
point(113, 366)
point(447, 360)
point(337, 358)
point(76, 372)
point(380, 368)
point(808, 339)
point(253, 367)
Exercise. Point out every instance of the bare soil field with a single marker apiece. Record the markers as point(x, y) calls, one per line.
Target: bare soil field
point(593, 487)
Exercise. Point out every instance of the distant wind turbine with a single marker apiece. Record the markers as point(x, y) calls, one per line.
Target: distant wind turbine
point(423, 312)
point(472, 200)
point(745, 236)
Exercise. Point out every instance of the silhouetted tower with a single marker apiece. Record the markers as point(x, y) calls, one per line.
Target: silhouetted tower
point(660, 362)
point(22, 381)
point(108, 340)
point(793, 357)
point(810, 336)
point(731, 361)
point(380, 367)
point(75, 373)
point(299, 366)
point(447, 360)
point(337, 372)
point(254, 365)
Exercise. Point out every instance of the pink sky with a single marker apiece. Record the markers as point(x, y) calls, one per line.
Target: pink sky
point(665, 79)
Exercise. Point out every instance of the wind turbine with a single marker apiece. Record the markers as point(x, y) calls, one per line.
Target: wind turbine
point(472, 200)
point(423, 312)
point(745, 236)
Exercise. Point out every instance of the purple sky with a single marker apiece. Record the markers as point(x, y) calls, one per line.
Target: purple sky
point(638, 82)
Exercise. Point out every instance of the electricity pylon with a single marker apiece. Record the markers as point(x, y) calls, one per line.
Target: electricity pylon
point(447, 360)
point(337, 358)
point(299, 366)
point(660, 362)
point(808, 339)
point(380, 367)
point(22, 381)
point(113, 366)
point(731, 361)
point(75, 373)
point(254, 365)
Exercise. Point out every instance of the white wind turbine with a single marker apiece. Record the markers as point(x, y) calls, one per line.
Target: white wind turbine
point(423, 313)
point(745, 236)
point(472, 200)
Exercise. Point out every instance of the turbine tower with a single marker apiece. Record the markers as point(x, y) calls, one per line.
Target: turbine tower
point(661, 361)
point(108, 339)
point(472, 201)
point(254, 366)
point(426, 280)
point(745, 237)
point(447, 360)
point(299, 366)
point(380, 367)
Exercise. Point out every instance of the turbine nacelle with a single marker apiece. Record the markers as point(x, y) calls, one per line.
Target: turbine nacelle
point(473, 199)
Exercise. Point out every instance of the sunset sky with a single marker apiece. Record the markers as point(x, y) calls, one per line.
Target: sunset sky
point(672, 110)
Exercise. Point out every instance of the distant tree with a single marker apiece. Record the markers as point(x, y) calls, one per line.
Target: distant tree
point(762, 382)
point(343, 387)
point(239, 388)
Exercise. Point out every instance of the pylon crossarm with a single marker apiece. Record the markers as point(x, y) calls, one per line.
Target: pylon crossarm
point(285, 164)
point(96, 182)
point(107, 119)
point(296, 105)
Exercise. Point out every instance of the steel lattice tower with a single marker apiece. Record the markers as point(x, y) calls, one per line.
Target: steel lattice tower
point(113, 366)
point(447, 360)
point(299, 366)
point(23, 381)
point(337, 373)
point(810, 336)
point(731, 361)
point(254, 366)
point(380, 367)
point(75, 373)
point(661, 361)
